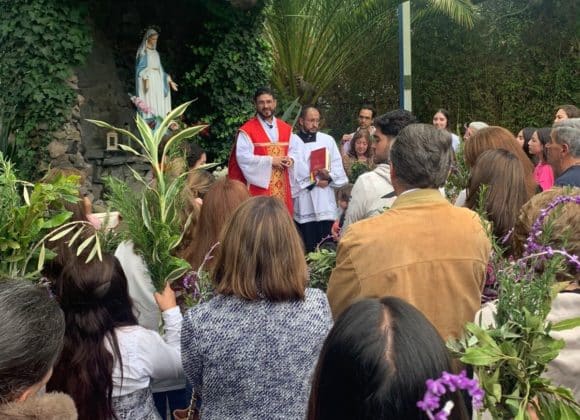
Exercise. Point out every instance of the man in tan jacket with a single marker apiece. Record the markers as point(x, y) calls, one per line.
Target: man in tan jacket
point(423, 249)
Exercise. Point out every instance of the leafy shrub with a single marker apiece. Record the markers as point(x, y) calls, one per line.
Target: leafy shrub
point(40, 41)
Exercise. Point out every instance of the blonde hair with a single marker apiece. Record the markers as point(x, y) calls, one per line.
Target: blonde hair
point(261, 255)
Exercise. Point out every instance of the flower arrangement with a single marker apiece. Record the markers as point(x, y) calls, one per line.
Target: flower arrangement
point(152, 217)
point(510, 354)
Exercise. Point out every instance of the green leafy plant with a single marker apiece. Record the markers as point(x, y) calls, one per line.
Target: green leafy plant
point(32, 215)
point(40, 42)
point(315, 41)
point(510, 355)
point(320, 265)
point(357, 169)
point(152, 216)
point(232, 59)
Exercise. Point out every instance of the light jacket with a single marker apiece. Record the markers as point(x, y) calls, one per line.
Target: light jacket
point(422, 250)
point(371, 194)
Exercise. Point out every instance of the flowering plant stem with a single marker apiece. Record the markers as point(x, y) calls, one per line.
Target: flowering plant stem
point(153, 218)
point(510, 354)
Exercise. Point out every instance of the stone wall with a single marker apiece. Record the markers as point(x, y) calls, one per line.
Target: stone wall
point(80, 144)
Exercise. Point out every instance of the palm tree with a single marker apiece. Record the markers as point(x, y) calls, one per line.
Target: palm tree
point(314, 41)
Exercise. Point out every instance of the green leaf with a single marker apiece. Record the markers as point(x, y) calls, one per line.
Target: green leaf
point(61, 234)
point(568, 412)
point(482, 335)
point(173, 115)
point(84, 244)
point(145, 214)
point(129, 149)
point(57, 220)
point(566, 324)
point(41, 257)
point(182, 135)
point(545, 348)
point(483, 356)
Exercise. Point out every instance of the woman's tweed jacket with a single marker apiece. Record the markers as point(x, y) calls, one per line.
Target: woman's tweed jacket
point(254, 359)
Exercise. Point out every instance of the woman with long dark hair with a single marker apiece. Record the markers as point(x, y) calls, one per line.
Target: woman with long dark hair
point(375, 362)
point(441, 121)
point(543, 173)
point(108, 360)
point(523, 138)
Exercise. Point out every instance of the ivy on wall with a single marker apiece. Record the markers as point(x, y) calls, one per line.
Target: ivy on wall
point(40, 42)
point(231, 62)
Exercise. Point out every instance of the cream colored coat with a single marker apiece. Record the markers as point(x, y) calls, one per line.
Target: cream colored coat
point(423, 250)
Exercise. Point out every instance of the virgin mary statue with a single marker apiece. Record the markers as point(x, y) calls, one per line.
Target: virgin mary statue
point(152, 83)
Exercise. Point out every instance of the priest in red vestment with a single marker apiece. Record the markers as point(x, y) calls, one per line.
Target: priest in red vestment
point(263, 155)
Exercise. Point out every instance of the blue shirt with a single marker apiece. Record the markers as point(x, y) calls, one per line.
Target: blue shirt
point(570, 177)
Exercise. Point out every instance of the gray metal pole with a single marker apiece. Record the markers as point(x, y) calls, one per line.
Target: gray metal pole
point(405, 96)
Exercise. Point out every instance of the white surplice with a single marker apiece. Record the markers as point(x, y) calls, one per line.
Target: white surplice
point(317, 204)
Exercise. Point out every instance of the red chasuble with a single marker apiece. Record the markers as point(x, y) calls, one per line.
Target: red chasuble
point(279, 181)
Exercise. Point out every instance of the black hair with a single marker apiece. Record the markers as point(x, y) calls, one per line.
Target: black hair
point(445, 114)
point(544, 137)
point(528, 132)
point(370, 108)
point(394, 121)
point(95, 299)
point(264, 90)
point(305, 109)
point(193, 153)
point(375, 362)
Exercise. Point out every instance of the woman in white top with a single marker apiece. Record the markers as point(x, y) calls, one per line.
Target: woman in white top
point(108, 360)
point(441, 121)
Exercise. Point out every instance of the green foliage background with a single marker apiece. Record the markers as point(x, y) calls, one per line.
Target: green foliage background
point(231, 61)
point(512, 69)
point(40, 42)
point(520, 60)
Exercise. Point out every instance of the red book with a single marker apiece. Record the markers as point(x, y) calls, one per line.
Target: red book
point(319, 159)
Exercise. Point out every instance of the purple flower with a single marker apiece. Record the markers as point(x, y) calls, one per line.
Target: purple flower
point(449, 382)
point(533, 248)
